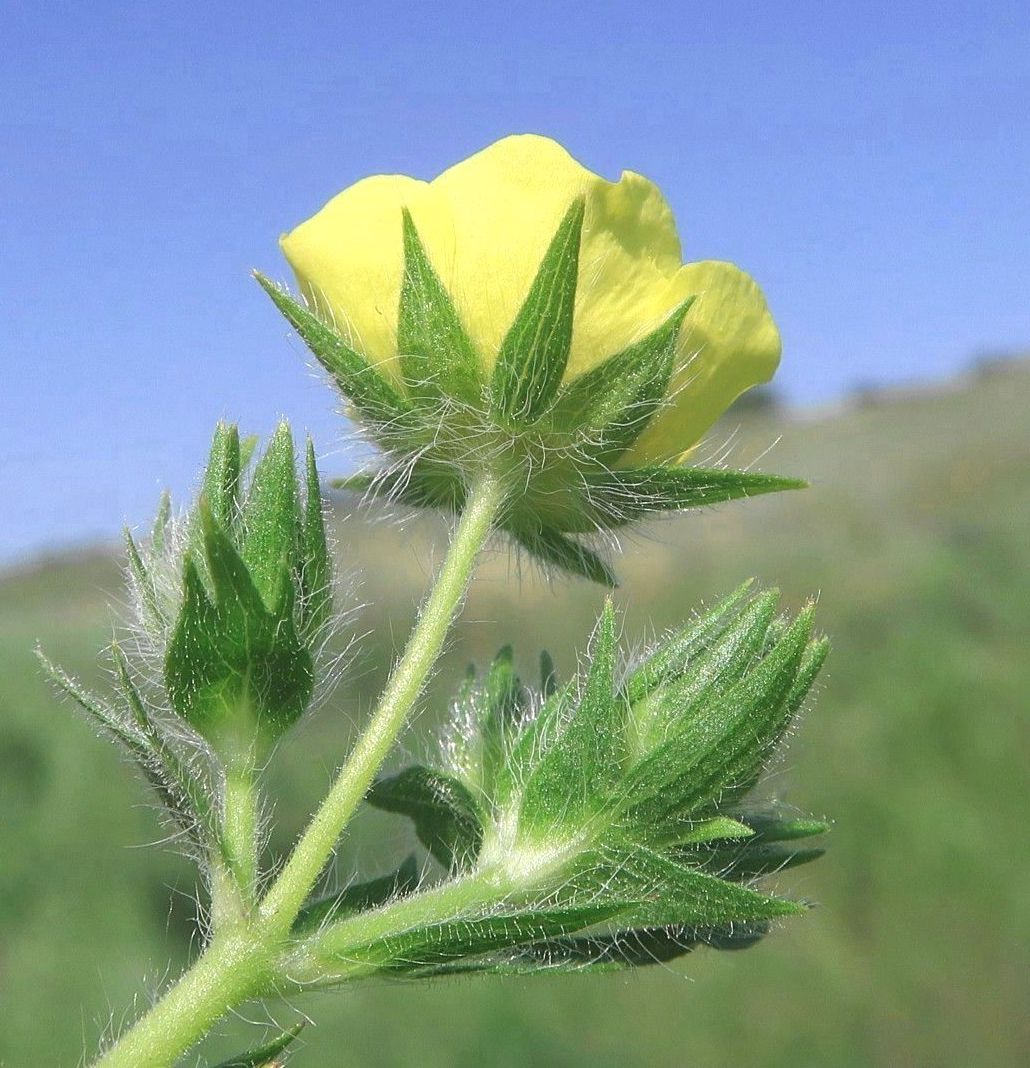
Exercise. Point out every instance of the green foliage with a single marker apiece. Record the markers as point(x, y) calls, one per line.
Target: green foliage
point(270, 1055)
point(620, 789)
point(442, 809)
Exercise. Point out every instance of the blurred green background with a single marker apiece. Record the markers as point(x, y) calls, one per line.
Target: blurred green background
point(915, 538)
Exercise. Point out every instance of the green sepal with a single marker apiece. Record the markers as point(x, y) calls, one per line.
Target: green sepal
point(573, 780)
point(769, 828)
point(424, 484)
point(525, 749)
point(437, 358)
point(443, 811)
point(233, 669)
point(548, 675)
point(752, 862)
point(179, 790)
point(160, 528)
point(534, 353)
point(271, 521)
point(267, 1056)
point(622, 496)
point(221, 486)
point(372, 395)
point(358, 897)
point(718, 828)
point(153, 615)
point(612, 403)
point(554, 549)
point(632, 948)
point(316, 564)
point(671, 893)
point(184, 793)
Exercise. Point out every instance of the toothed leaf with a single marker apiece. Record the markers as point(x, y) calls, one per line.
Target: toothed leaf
point(359, 897)
point(446, 819)
point(266, 1056)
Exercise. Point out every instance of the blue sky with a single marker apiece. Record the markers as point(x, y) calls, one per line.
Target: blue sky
point(867, 163)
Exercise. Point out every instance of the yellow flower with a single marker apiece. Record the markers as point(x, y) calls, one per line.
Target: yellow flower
point(486, 224)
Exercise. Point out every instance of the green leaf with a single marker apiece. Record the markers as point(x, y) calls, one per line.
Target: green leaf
point(444, 813)
point(674, 655)
point(573, 780)
point(266, 1056)
point(436, 356)
point(674, 894)
point(271, 518)
point(533, 356)
point(221, 488)
point(374, 398)
point(554, 549)
point(618, 497)
point(359, 897)
point(439, 943)
point(613, 402)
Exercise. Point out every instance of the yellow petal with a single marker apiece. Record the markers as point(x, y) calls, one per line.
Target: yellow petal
point(728, 343)
point(349, 261)
point(486, 223)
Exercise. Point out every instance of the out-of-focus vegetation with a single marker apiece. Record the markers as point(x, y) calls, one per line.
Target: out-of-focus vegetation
point(916, 536)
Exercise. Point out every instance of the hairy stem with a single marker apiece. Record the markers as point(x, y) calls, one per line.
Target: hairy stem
point(239, 963)
point(240, 828)
point(284, 899)
point(232, 970)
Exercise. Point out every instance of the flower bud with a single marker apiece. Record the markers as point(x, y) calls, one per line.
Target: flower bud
point(239, 629)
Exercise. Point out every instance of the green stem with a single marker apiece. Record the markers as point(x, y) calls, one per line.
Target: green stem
point(232, 970)
point(240, 828)
point(239, 963)
point(284, 899)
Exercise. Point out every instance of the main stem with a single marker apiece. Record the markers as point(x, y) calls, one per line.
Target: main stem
point(283, 901)
point(234, 968)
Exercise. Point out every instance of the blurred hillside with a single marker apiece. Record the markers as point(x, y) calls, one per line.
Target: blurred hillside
point(914, 535)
